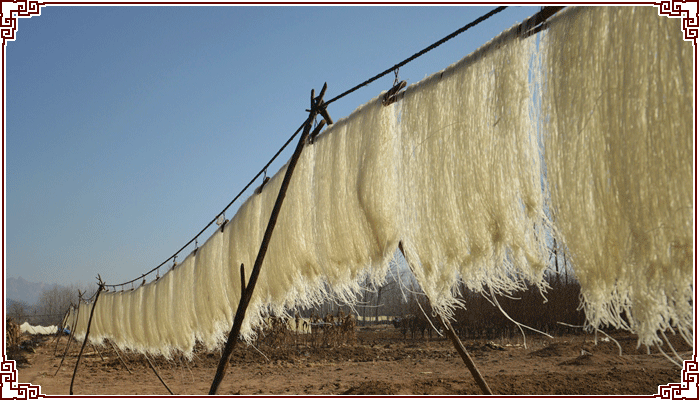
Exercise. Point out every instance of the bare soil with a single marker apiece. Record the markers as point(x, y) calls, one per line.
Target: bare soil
point(381, 362)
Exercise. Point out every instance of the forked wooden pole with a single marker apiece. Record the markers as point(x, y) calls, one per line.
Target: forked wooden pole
point(316, 107)
point(458, 344)
point(87, 333)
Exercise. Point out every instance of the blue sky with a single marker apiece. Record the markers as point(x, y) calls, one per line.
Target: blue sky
point(129, 128)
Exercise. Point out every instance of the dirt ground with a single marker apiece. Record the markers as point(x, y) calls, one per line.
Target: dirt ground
point(380, 363)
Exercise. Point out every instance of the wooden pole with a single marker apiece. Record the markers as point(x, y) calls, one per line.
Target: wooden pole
point(242, 280)
point(87, 333)
point(59, 333)
point(157, 374)
point(485, 389)
point(250, 286)
point(457, 344)
point(70, 337)
point(120, 357)
point(55, 349)
point(97, 351)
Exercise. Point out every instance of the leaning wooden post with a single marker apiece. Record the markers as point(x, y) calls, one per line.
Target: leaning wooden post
point(485, 389)
point(458, 344)
point(120, 357)
point(87, 332)
point(60, 330)
point(316, 107)
point(97, 351)
point(58, 339)
point(157, 374)
point(72, 333)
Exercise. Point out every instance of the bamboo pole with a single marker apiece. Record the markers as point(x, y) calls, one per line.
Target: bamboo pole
point(458, 344)
point(87, 333)
point(316, 107)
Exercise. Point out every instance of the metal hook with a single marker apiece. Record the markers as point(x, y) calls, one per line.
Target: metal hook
point(222, 221)
point(396, 76)
point(259, 189)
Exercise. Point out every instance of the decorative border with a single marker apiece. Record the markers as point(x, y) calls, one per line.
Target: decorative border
point(676, 388)
point(11, 22)
point(10, 389)
point(688, 22)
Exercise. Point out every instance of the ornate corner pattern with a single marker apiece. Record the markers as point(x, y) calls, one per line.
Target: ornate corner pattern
point(688, 22)
point(687, 389)
point(11, 21)
point(10, 389)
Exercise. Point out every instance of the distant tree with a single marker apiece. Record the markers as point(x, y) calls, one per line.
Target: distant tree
point(53, 303)
point(17, 310)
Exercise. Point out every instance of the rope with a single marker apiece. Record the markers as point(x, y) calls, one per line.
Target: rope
point(365, 83)
point(263, 170)
point(420, 53)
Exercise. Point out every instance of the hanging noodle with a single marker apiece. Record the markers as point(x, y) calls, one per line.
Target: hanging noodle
point(149, 313)
point(243, 236)
point(619, 150)
point(184, 315)
point(472, 198)
point(455, 173)
point(166, 317)
point(101, 318)
point(210, 293)
point(81, 321)
point(119, 329)
point(124, 338)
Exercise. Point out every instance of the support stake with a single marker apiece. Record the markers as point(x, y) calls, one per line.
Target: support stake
point(120, 357)
point(70, 337)
point(97, 351)
point(60, 332)
point(157, 374)
point(316, 107)
point(458, 344)
point(485, 389)
point(87, 333)
point(242, 280)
